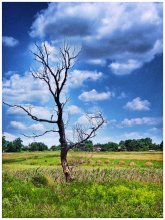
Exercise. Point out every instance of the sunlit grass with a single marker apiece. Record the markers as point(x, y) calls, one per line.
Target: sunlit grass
point(105, 185)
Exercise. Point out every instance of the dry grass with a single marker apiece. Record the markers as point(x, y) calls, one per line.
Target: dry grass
point(149, 164)
point(150, 156)
point(121, 163)
point(99, 162)
point(95, 174)
point(132, 164)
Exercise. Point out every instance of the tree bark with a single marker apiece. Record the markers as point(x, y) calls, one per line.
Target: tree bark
point(65, 166)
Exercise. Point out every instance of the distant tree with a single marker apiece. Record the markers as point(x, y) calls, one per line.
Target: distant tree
point(54, 147)
point(86, 146)
point(110, 146)
point(17, 145)
point(4, 144)
point(161, 146)
point(37, 146)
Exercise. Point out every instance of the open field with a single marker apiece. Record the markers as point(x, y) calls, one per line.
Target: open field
point(107, 184)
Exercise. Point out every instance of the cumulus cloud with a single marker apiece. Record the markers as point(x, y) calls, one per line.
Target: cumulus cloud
point(21, 126)
point(138, 105)
point(141, 121)
point(73, 109)
point(18, 125)
point(9, 41)
point(125, 68)
point(77, 77)
point(100, 62)
point(37, 127)
point(130, 34)
point(38, 111)
point(9, 137)
point(24, 88)
point(93, 95)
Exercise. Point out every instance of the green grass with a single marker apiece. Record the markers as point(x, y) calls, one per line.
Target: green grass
point(34, 186)
point(117, 198)
point(89, 159)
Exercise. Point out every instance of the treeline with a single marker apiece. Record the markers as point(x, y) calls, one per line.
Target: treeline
point(17, 146)
point(144, 144)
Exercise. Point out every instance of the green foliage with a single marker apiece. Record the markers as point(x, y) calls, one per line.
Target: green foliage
point(4, 143)
point(37, 146)
point(15, 146)
point(86, 146)
point(110, 146)
point(143, 144)
point(55, 148)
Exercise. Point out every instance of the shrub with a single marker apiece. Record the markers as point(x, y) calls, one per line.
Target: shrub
point(39, 180)
point(107, 162)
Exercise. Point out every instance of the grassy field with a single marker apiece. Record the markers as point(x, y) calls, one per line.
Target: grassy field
point(107, 184)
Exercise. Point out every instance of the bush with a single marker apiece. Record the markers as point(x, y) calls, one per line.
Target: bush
point(39, 180)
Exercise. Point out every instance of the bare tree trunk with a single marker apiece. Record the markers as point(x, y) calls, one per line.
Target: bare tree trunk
point(65, 166)
point(64, 146)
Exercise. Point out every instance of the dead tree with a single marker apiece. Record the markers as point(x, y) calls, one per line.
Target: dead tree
point(56, 78)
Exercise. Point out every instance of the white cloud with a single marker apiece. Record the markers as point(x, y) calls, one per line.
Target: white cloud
point(18, 125)
point(93, 95)
point(9, 137)
point(38, 111)
point(24, 88)
point(21, 126)
point(83, 120)
point(77, 77)
point(138, 105)
point(125, 68)
point(73, 109)
point(9, 73)
point(110, 30)
point(9, 41)
point(141, 121)
point(131, 135)
point(101, 62)
point(37, 127)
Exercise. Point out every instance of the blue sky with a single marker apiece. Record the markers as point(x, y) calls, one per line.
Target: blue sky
point(119, 70)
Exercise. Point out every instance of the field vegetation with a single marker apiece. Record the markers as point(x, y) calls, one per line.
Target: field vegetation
point(107, 184)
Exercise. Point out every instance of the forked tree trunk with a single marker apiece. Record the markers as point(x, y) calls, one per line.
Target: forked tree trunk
point(65, 166)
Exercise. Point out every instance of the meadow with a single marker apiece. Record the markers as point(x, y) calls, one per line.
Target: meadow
point(107, 184)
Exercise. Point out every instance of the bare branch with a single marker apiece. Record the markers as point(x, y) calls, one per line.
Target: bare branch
point(39, 135)
point(84, 134)
point(30, 114)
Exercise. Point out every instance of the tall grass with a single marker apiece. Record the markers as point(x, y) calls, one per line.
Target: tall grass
point(96, 174)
